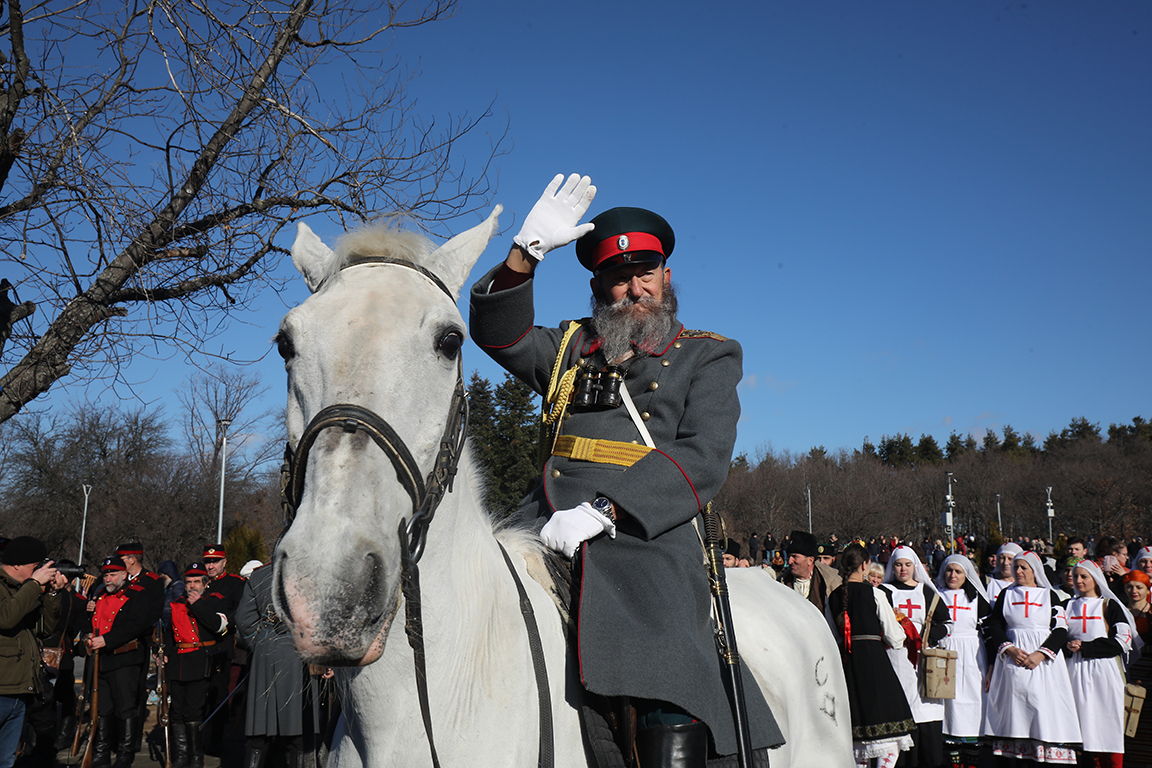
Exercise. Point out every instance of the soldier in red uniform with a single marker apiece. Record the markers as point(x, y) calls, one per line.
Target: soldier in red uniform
point(222, 596)
point(120, 626)
point(132, 554)
point(192, 632)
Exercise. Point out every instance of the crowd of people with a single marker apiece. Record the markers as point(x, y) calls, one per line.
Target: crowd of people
point(204, 645)
point(1043, 649)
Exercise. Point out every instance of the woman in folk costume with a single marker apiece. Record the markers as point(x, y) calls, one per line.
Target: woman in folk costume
point(960, 590)
point(1138, 590)
point(1030, 712)
point(1100, 632)
point(864, 625)
point(914, 597)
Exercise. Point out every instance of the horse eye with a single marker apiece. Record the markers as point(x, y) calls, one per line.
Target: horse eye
point(450, 344)
point(284, 346)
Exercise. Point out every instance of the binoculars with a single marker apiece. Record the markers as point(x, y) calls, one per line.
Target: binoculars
point(598, 388)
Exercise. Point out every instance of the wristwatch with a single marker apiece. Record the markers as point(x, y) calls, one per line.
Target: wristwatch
point(603, 505)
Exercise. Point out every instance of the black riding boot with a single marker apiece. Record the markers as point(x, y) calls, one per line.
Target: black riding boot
point(195, 744)
point(67, 731)
point(293, 752)
point(255, 750)
point(684, 745)
point(104, 734)
point(178, 740)
point(124, 752)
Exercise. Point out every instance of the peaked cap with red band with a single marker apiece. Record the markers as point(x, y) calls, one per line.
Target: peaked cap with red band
point(112, 564)
point(135, 549)
point(196, 569)
point(214, 552)
point(625, 236)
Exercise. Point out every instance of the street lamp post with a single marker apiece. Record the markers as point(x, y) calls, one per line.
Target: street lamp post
point(808, 488)
point(1051, 514)
point(222, 424)
point(83, 524)
point(999, 522)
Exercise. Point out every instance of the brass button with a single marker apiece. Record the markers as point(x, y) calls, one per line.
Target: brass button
point(677, 345)
point(634, 443)
point(645, 416)
point(665, 363)
point(654, 386)
point(567, 415)
point(580, 361)
point(555, 473)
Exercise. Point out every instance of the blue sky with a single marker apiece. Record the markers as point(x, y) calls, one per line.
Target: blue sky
point(916, 217)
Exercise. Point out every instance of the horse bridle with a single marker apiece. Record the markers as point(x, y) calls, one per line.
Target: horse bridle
point(426, 496)
point(426, 493)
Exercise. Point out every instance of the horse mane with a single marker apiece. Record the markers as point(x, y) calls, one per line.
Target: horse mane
point(384, 236)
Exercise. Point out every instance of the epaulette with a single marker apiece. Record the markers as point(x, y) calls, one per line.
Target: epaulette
point(687, 334)
point(136, 586)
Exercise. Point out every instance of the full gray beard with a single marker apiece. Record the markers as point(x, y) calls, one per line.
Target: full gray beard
point(619, 328)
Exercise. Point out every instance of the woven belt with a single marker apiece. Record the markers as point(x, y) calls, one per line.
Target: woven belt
point(599, 451)
point(186, 646)
point(131, 645)
point(867, 637)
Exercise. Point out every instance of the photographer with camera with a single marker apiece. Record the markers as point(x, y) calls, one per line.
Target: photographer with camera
point(29, 607)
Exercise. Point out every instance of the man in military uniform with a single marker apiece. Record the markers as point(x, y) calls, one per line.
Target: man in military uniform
point(192, 631)
point(813, 580)
point(132, 554)
point(222, 596)
point(644, 443)
point(121, 623)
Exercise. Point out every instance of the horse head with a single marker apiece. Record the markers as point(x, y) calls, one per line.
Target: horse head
point(373, 372)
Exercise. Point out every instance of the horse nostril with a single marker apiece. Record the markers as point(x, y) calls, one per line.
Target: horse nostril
point(374, 590)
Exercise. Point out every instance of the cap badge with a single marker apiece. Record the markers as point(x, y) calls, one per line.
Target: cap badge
point(622, 242)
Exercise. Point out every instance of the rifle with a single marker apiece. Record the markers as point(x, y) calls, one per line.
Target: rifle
point(80, 701)
point(725, 636)
point(162, 692)
point(87, 761)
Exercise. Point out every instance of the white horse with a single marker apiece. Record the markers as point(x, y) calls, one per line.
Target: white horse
point(386, 337)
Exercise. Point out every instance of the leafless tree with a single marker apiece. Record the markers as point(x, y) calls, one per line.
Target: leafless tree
point(151, 153)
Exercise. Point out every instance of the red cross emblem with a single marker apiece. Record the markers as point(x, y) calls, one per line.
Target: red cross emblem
point(954, 607)
point(1084, 619)
point(1025, 603)
point(907, 607)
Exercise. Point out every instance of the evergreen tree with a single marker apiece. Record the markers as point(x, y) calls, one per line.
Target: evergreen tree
point(505, 435)
point(955, 447)
point(897, 451)
point(928, 451)
point(991, 442)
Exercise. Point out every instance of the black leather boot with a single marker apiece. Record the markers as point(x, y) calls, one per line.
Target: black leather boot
point(195, 745)
point(178, 739)
point(104, 734)
point(254, 752)
point(124, 752)
point(67, 731)
point(684, 745)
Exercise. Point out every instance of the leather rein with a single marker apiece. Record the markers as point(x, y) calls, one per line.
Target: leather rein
point(426, 493)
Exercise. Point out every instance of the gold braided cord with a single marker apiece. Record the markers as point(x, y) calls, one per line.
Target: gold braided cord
point(599, 451)
point(560, 387)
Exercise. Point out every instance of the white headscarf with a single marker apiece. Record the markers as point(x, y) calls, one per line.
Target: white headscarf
point(1141, 555)
point(907, 553)
point(1102, 587)
point(1009, 548)
point(250, 566)
point(1037, 567)
point(970, 574)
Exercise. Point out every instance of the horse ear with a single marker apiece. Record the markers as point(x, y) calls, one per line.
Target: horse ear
point(453, 261)
point(310, 256)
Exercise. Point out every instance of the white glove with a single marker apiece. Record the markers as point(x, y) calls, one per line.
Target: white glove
point(553, 221)
point(568, 527)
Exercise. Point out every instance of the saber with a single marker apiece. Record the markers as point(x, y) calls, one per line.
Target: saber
point(726, 636)
point(227, 698)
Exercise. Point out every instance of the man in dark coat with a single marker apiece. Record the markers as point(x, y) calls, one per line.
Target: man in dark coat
point(813, 580)
point(644, 444)
point(277, 714)
point(190, 633)
point(132, 554)
point(222, 597)
point(121, 624)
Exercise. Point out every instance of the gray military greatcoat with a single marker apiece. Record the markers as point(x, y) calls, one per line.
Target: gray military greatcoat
point(277, 677)
point(643, 613)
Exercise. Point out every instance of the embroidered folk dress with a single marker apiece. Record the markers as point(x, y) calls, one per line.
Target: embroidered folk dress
point(964, 715)
point(1097, 685)
point(1030, 712)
